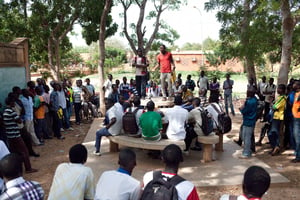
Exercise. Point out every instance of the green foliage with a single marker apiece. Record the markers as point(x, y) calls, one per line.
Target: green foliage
point(191, 46)
point(90, 21)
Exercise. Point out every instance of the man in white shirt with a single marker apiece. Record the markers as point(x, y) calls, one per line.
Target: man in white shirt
point(113, 124)
point(107, 86)
point(255, 184)
point(269, 92)
point(177, 117)
point(119, 184)
point(202, 84)
point(73, 180)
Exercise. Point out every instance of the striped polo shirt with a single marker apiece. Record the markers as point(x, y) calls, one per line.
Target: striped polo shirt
point(11, 126)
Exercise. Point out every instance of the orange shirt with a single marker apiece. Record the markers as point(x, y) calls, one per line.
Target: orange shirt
point(165, 62)
point(40, 111)
point(296, 106)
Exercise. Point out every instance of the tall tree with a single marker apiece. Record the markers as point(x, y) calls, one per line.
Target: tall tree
point(290, 11)
point(57, 20)
point(160, 31)
point(102, 34)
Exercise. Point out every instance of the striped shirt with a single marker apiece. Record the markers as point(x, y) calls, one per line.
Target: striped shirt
point(19, 189)
point(11, 126)
point(77, 94)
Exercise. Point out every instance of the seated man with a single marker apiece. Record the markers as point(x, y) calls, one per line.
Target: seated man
point(151, 123)
point(113, 126)
point(194, 124)
point(118, 184)
point(255, 184)
point(177, 117)
point(73, 180)
point(172, 156)
point(16, 186)
point(185, 93)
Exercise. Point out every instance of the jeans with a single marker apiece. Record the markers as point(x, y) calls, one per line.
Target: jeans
point(266, 111)
point(163, 77)
point(99, 134)
point(69, 110)
point(41, 129)
point(56, 124)
point(228, 100)
point(141, 82)
point(66, 118)
point(274, 133)
point(247, 133)
point(77, 108)
point(297, 136)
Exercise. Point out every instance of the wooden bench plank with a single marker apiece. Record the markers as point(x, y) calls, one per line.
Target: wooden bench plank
point(142, 144)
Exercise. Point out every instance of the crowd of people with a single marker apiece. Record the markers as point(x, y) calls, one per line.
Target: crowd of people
point(73, 180)
point(38, 112)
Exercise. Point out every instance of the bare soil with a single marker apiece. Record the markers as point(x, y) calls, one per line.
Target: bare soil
point(55, 152)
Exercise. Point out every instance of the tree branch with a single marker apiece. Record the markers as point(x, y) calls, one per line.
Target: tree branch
point(125, 31)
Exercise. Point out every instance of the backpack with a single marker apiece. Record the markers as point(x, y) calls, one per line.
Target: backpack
point(224, 121)
point(260, 109)
point(207, 122)
point(159, 188)
point(129, 122)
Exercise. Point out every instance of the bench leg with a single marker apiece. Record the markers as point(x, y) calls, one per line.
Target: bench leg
point(113, 147)
point(219, 146)
point(207, 152)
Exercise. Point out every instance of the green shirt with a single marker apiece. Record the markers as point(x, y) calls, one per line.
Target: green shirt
point(151, 124)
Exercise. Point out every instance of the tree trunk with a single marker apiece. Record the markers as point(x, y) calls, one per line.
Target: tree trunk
point(57, 61)
point(245, 40)
point(105, 12)
point(287, 36)
point(50, 59)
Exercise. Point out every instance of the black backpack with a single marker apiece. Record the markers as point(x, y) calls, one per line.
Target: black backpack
point(207, 122)
point(129, 122)
point(159, 188)
point(224, 121)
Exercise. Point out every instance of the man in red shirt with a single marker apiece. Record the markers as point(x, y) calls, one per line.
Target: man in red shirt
point(165, 61)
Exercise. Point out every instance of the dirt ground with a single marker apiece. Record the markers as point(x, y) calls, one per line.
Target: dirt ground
point(55, 152)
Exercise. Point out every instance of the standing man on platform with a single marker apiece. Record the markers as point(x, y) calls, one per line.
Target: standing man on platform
point(165, 60)
point(227, 87)
point(141, 63)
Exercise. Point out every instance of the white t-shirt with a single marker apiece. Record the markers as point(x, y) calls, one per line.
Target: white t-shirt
point(270, 88)
point(72, 181)
point(114, 185)
point(195, 116)
point(108, 87)
point(3, 152)
point(203, 82)
point(115, 112)
point(177, 116)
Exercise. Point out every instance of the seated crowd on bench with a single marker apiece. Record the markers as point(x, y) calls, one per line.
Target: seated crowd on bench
point(153, 124)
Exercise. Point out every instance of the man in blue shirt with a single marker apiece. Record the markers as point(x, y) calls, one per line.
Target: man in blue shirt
point(249, 119)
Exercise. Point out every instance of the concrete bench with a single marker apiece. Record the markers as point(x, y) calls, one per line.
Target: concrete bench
point(207, 142)
point(127, 141)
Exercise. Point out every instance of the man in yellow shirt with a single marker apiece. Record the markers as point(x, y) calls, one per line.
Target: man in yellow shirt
point(275, 135)
point(296, 114)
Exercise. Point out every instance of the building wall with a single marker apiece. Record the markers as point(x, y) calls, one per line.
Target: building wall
point(14, 66)
point(192, 60)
